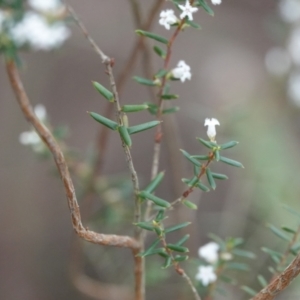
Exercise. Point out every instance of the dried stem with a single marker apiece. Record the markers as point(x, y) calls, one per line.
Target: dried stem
point(47, 137)
point(280, 282)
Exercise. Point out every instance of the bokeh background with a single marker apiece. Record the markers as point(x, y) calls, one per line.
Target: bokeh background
point(230, 82)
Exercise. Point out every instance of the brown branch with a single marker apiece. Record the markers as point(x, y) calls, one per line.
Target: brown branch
point(281, 282)
point(47, 137)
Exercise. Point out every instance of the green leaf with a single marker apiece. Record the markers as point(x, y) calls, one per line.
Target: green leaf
point(151, 248)
point(278, 232)
point(295, 249)
point(108, 95)
point(205, 6)
point(228, 145)
point(237, 266)
point(161, 73)
point(207, 144)
point(145, 225)
point(272, 253)
point(263, 282)
point(231, 162)
point(190, 182)
point(142, 127)
point(152, 36)
point(219, 176)
point(202, 187)
point(243, 253)
point(227, 279)
point(179, 258)
point(170, 110)
point(291, 210)
point(166, 89)
point(193, 24)
point(190, 158)
point(183, 240)
point(210, 179)
point(288, 229)
point(248, 290)
point(160, 52)
point(144, 81)
point(125, 135)
point(134, 108)
point(104, 121)
point(177, 227)
point(160, 215)
point(217, 155)
point(190, 204)
point(156, 200)
point(168, 263)
point(155, 182)
point(169, 96)
point(177, 248)
point(158, 231)
point(201, 157)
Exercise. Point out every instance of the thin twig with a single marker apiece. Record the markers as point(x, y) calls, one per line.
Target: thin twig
point(280, 282)
point(47, 137)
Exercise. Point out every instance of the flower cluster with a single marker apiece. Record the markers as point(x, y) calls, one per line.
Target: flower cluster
point(40, 28)
point(285, 61)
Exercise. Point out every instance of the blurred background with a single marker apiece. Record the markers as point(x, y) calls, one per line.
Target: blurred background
point(237, 77)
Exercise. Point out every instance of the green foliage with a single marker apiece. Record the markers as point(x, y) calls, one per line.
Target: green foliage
point(153, 36)
point(134, 108)
point(108, 95)
point(145, 81)
point(142, 127)
point(160, 52)
point(104, 121)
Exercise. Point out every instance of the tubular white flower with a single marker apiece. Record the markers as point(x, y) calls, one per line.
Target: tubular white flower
point(182, 71)
point(216, 2)
point(206, 275)
point(209, 252)
point(211, 128)
point(167, 18)
point(187, 10)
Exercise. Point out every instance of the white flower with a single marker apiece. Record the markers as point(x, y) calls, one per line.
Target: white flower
point(38, 33)
point(187, 10)
point(289, 10)
point(45, 5)
point(29, 138)
point(209, 252)
point(206, 275)
point(167, 18)
point(216, 2)
point(226, 256)
point(211, 129)
point(40, 112)
point(182, 71)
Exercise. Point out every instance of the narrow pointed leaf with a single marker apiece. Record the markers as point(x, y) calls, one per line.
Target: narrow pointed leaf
point(142, 127)
point(202, 187)
point(201, 157)
point(231, 162)
point(291, 210)
point(210, 179)
point(237, 266)
point(125, 135)
point(161, 251)
point(228, 145)
point(156, 200)
point(134, 108)
point(108, 95)
point(190, 204)
point(207, 144)
point(243, 253)
point(152, 36)
point(145, 225)
point(177, 248)
point(104, 121)
point(161, 73)
point(205, 6)
point(177, 227)
point(160, 52)
point(190, 158)
point(278, 232)
point(288, 229)
point(197, 170)
point(169, 96)
point(193, 24)
point(272, 252)
point(217, 155)
point(151, 248)
point(168, 263)
point(248, 290)
point(160, 215)
point(183, 240)
point(155, 182)
point(219, 176)
point(144, 81)
point(179, 258)
point(158, 231)
point(170, 110)
point(261, 279)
